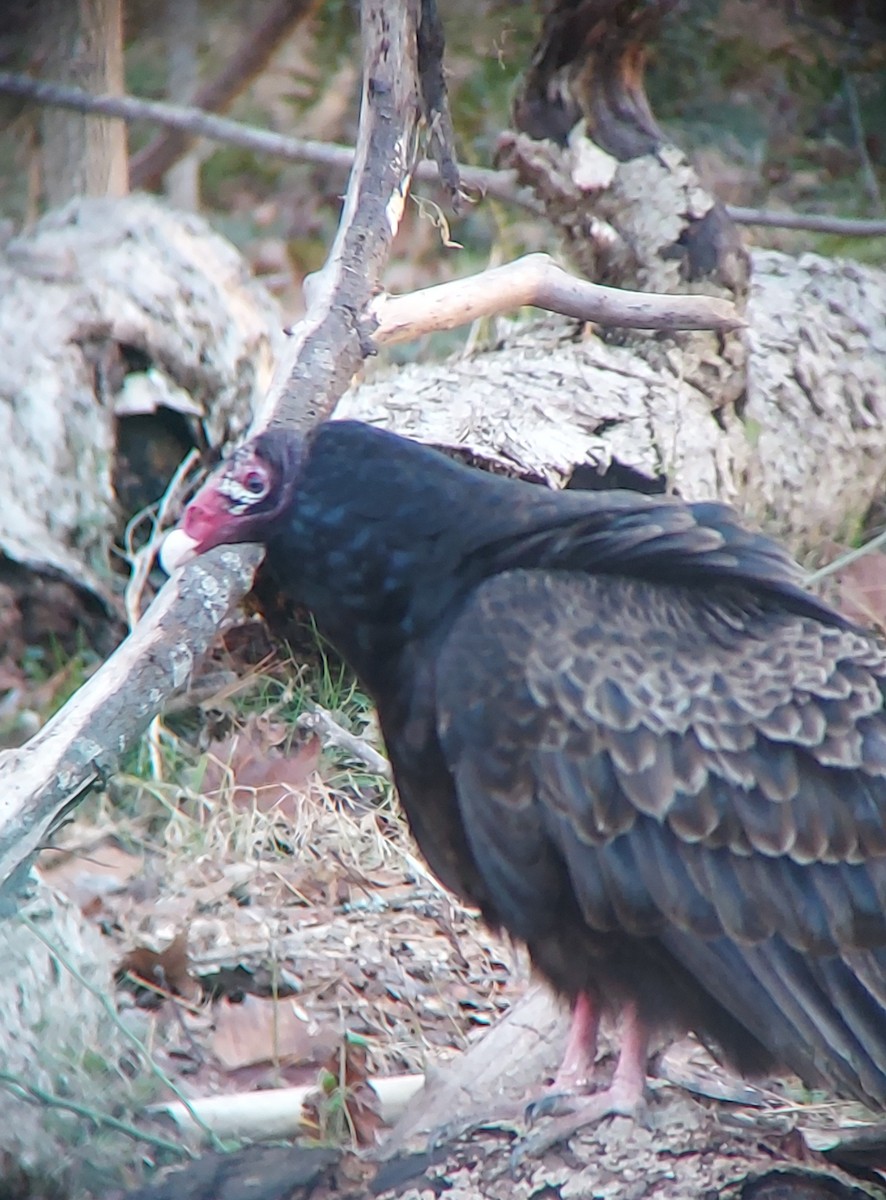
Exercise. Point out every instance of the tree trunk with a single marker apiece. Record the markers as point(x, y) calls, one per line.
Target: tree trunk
point(627, 203)
point(80, 42)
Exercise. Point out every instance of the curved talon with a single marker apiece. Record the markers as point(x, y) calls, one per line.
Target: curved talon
point(614, 1102)
point(624, 1097)
point(551, 1104)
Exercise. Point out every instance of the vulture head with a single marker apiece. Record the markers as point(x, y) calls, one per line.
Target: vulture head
point(241, 502)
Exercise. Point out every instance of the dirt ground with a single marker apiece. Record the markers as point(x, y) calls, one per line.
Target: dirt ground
point(274, 926)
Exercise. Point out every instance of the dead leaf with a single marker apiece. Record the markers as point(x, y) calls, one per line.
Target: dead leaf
point(262, 771)
point(268, 1031)
point(168, 969)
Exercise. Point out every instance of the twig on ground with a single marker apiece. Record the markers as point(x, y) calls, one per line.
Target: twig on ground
point(844, 560)
point(278, 1113)
point(321, 722)
point(536, 279)
point(502, 185)
point(86, 739)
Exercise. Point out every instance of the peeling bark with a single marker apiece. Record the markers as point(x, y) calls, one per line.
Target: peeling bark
point(93, 287)
point(628, 204)
point(39, 782)
point(673, 411)
point(589, 62)
point(815, 410)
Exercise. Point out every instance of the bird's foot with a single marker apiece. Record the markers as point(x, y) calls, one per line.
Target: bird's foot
point(552, 1102)
point(575, 1077)
point(620, 1099)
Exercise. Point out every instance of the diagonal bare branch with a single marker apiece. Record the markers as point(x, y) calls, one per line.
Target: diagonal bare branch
point(86, 739)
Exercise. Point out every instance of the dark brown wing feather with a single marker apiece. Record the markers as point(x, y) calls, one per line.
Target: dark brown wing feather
point(699, 775)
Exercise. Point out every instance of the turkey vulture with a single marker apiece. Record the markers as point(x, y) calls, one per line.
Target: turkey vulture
point(618, 725)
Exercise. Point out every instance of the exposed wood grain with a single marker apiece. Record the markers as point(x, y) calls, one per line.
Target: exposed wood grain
point(537, 280)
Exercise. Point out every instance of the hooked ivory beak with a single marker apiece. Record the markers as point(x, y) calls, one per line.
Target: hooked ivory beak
point(178, 548)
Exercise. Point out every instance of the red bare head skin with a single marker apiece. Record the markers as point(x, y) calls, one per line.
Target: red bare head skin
point(237, 503)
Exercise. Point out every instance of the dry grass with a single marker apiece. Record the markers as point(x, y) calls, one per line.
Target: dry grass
point(304, 882)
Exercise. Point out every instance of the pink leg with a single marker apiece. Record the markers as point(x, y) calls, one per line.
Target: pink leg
point(624, 1096)
point(629, 1078)
point(577, 1067)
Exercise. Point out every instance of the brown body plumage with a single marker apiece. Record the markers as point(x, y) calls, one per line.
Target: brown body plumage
point(617, 724)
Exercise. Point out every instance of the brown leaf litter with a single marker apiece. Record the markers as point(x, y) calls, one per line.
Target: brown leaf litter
point(278, 922)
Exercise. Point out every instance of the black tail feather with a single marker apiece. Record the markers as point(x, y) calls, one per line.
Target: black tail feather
point(824, 1018)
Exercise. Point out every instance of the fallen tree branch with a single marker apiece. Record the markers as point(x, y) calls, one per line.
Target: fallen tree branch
point(278, 1113)
point(495, 1073)
point(502, 185)
point(83, 742)
point(194, 122)
point(182, 118)
point(814, 222)
point(86, 739)
point(321, 722)
point(536, 279)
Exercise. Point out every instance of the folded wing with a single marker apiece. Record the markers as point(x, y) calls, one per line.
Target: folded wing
point(695, 767)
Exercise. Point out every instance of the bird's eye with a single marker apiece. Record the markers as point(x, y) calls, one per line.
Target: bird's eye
point(255, 483)
point(243, 487)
